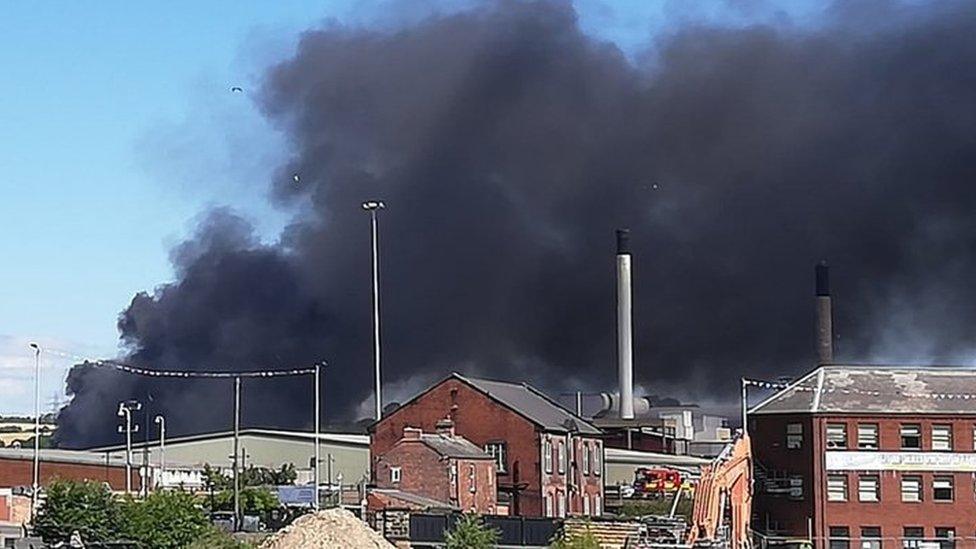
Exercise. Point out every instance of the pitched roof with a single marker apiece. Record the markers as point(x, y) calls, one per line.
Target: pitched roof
point(877, 389)
point(334, 438)
point(453, 446)
point(532, 404)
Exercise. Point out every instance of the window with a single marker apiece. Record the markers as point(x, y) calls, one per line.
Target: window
point(794, 435)
point(868, 488)
point(561, 457)
point(942, 438)
point(911, 488)
point(836, 436)
point(597, 455)
point(597, 505)
point(870, 537)
point(867, 436)
point(586, 504)
point(912, 537)
point(394, 474)
point(840, 537)
point(547, 456)
point(548, 505)
point(946, 537)
point(836, 487)
point(911, 437)
point(586, 459)
point(561, 504)
point(499, 451)
point(472, 479)
point(942, 488)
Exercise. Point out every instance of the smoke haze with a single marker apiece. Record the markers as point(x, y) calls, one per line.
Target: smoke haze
point(508, 146)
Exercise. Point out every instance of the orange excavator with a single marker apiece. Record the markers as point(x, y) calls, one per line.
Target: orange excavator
point(725, 483)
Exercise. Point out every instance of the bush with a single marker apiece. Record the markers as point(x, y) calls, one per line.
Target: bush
point(215, 539)
point(584, 540)
point(86, 507)
point(471, 532)
point(660, 507)
point(164, 520)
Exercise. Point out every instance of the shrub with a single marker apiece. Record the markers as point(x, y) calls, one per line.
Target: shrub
point(164, 520)
point(576, 540)
point(471, 532)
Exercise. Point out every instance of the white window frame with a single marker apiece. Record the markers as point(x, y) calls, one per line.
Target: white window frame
point(561, 456)
point(836, 436)
point(396, 474)
point(548, 505)
point(547, 456)
point(499, 451)
point(865, 481)
point(597, 505)
point(597, 460)
point(794, 436)
point(942, 482)
point(586, 458)
point(837, 487)
point(867, 436)
point(942, 438)
point(560, 505)
point(914, 492)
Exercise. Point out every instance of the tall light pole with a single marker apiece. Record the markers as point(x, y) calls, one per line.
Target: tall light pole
point(161, 421)
point(372, 206)
point(318, 443)
point(36, 484)
point(125, 411)
point(237, 449)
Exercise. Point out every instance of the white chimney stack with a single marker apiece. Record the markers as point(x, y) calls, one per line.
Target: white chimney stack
point(625, 326)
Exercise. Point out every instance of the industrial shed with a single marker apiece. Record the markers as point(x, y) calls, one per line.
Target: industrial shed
point(345, 454)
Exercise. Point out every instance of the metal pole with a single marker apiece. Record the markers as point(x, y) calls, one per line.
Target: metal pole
point(745, 406)
point(128, 451)
point(376, 315)
point(237, 442)
point(36, 484)
point(318, 415)
point(162, 449)
point(144, 489)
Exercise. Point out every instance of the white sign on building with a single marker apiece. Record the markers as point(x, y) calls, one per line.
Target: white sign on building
point(900, 461)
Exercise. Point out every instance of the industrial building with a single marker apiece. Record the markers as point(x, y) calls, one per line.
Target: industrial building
point(868, 456)
point(342, 454)
point(549, 461)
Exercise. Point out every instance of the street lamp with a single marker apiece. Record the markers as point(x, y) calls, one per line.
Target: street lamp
point(36, 484)
point(372, 206)
point(126, 408)
point(161, 421)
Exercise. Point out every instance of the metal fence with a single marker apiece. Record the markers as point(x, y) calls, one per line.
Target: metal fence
point(431, 529)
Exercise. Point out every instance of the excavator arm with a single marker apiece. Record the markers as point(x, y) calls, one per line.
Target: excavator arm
point(726, 482)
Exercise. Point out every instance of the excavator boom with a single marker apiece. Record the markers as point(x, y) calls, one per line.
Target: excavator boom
point(726, 482)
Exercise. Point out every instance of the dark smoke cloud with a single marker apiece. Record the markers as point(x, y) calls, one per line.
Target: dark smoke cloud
point(508, 145)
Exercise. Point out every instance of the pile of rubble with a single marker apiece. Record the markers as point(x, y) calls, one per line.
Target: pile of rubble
point(331, 528)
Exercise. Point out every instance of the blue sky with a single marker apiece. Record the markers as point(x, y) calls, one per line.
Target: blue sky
point(117, 129)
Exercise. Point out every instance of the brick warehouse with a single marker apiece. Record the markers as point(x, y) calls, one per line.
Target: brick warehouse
point(868, 456)
point(549, 461)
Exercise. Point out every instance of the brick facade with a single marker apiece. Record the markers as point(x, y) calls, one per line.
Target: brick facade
point(482, 420)
point(19, 472)
point(890, 515)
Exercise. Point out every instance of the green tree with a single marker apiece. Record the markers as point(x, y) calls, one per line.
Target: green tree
point(164, 520)
point(471, 532)
point(215, 539)
point(88, 507)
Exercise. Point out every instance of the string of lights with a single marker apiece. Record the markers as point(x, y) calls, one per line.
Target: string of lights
point(762, 384)
point(135, 370)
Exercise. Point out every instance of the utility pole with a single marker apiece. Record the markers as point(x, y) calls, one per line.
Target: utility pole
point(125, 411)
point(318, 444)
point(237, 446)
point(36, 484)
point(372, 206)
point(745, 406)
point(161, 421)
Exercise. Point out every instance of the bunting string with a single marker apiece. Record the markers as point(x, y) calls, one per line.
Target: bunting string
point(135, 370)
point(774, 385)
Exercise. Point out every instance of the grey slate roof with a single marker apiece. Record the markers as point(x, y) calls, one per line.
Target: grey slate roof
point(877, 389)
point(453, 447)
point(533, 405)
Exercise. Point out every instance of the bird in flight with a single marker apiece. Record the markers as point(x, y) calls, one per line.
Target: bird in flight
point(237, 89)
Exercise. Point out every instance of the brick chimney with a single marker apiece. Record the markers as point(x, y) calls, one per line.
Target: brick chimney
point(445, 427)
point(411, 433)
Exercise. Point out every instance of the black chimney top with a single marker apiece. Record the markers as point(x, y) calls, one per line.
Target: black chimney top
point(623, 241)
point(823, 279)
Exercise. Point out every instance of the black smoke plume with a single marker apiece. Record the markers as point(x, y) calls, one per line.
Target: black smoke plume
point(508, 146)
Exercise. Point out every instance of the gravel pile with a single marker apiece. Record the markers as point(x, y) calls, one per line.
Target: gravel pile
point(331, 528)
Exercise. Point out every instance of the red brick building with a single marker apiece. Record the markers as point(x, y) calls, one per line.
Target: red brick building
point(441, 466)
point(549, 462)
point(868, 457)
